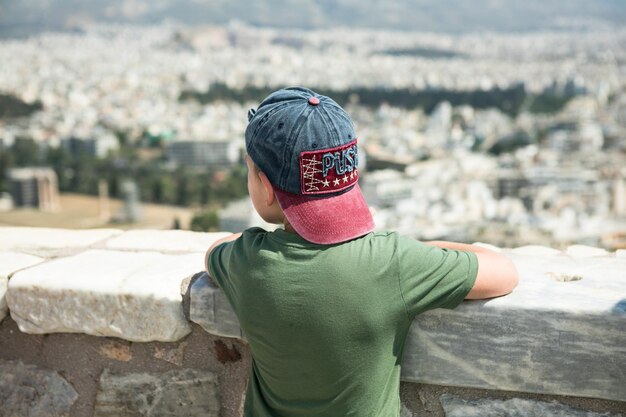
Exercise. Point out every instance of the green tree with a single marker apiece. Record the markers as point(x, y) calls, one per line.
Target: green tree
point(206, 189)
point(163, 189)
point(60, 160)
point(205, 221)
point(84, 178)
point(25, 152)
point(183, 188)
point(6, 162)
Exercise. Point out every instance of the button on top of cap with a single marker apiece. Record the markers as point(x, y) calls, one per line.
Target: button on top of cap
point(314, 101)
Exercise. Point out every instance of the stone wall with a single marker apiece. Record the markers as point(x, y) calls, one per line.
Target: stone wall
point(110, 323)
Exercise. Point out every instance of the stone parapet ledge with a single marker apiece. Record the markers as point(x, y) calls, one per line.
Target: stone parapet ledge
point(164, 241)
point(209, 307)
point(133, 296)
point(562, 331)
point(11, 262)
point(51, 243)
point(99, 282)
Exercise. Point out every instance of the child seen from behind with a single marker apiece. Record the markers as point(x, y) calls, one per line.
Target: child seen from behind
point(326, 302)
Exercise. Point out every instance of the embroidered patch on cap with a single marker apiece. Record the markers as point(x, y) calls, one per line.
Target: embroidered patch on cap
point(329, 170)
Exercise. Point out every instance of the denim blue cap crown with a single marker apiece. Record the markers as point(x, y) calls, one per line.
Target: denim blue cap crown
point(287, 127)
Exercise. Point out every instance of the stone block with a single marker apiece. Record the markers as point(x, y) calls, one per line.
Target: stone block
point(3, 303)
point(404, 411)
point(179, 393)
point(175, 355)
point(164, 240)
point(548, 336)
point(210, 309)
point(47, 242)
point(117, 350)
point(583, 251)
point(535, 250)
point(515, 407)
point(9, 263)
point(26, 390)
point(130, 295)
point(487, 246)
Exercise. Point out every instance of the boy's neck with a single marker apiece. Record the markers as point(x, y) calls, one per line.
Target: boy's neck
point(289, 228)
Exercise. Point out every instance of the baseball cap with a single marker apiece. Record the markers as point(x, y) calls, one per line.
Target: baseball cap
point(305, 143)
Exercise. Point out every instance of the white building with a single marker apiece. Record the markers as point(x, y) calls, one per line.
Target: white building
point(34, 187)
point(209, 154)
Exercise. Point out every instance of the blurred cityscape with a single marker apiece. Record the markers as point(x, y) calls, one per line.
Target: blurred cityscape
point(507, 138)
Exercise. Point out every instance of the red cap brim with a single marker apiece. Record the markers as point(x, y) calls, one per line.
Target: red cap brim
point(327, 220)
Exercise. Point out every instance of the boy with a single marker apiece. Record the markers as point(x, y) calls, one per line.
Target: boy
point(326, 303)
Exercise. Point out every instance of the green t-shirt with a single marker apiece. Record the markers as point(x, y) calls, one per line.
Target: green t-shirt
point(327, 324)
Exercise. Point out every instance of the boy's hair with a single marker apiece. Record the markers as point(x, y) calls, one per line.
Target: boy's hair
point(255, 167)
point(305, 143)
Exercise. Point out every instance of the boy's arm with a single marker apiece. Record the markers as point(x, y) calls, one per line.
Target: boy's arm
point(496, 276)
point(216, 244)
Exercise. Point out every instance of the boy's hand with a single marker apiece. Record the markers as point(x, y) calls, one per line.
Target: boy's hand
point(496, 276)
point(215, 244)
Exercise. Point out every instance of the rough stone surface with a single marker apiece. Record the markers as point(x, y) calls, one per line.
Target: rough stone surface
point(225, 353)
point(164, 240)
point(179, 393)
point(3, 302)
point(488, 246)
point(118, 350)
point(9, 263)
point(424, 400)
point(175, 356)
point(28, 391)
point(404, 411)
point(77, 358)
point(564, 338)
point(535, 250)
point(47, 242)
point(515, 407)
point(210, 309)
point(583, 251)
point(564, 276)
point(133, 296)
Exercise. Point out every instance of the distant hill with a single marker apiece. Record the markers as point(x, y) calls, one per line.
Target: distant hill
point(22, 18)
point(11, 106)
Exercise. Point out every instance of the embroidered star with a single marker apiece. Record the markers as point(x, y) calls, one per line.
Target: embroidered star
point(345, 178)
point(351, 175)
point(336, 181)
point(325, 183)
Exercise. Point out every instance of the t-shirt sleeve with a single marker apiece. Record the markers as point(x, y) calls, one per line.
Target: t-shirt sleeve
point(431, 277)
point(218, 265)
point(228, 260)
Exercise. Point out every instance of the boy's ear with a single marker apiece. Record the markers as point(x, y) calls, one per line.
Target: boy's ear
point(270, 197)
